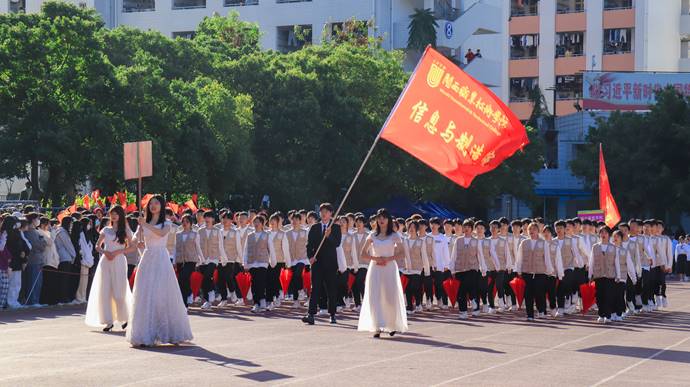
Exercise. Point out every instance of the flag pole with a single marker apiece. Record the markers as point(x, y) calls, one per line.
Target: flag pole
point(371, 149)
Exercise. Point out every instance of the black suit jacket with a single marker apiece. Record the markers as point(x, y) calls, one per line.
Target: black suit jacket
point(327, 258)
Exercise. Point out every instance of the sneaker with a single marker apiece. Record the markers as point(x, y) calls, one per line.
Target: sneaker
point(356, 308)
point(418, 308)
point(322, 312)
point(530, 319)
point(256, 308)
point(262, 305)
point(339, 309)
point(474, 304)
point(219, 298)
point(410, 312)
point(276, 303)
point(485, 308)
point(462, 315)
point(190, 300)
point(558, 312)
point(664, 302)
point(444, 306)
point(197, 300)
point(270, 306)
point(212, 296)
point(206, 306)
point(239, 302)
point(233, 298)
point(223, 304)
point(475, 313)
point(296, 305)
point(491, 310)
point(600, 319)
point(514, 308)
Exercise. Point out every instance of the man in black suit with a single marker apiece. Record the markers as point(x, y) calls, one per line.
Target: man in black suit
point(324, 265)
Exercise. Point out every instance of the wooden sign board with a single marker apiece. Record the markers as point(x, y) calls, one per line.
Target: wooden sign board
point(138, 160)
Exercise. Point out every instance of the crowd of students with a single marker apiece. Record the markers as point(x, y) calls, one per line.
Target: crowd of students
point(44, 261)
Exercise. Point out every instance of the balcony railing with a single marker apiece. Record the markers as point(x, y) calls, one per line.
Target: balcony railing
point(240, 3)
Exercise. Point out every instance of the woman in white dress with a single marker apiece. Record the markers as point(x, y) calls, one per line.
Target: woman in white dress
point(158, 314)
point(383, 306)
point(110, 296)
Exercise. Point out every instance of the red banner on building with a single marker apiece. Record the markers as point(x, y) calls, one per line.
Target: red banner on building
point(452, 122)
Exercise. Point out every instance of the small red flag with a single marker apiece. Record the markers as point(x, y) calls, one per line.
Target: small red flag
point(122, 196)
point(174, 207)
point(190, 204)
point(131, 207)
point(86, 202)
point(195, 200)
point(452, 122)
point(72, 209)
point(145, 200)
point(606, 201)
point(113, 199)
point(96, 194)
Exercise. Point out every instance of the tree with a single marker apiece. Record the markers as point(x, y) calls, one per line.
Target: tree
point(646, 157)
point(422, 29)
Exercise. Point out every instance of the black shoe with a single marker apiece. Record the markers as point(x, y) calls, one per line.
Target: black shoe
point(392, 333)
point(124, 326)
point(333, 319)
point(308, 319)
point(377, 335)
point(108, 328)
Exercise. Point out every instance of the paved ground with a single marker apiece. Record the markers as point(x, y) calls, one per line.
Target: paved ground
point(233, 347)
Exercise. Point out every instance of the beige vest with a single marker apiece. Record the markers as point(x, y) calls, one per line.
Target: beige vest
point(186, 251)
point(298, 246)
point(209, 244)
point(500, 248)
point(486, 250)
point(533, 259)
point(567, 255)
point(360, 239)
point(416, 260)
point(429, 246)
point(172, 237)
point(230, 246)
point(346, 244)
point(278, 246)
point(623, 261)
point(603, 264)
point(466, 257)
point(257, 248)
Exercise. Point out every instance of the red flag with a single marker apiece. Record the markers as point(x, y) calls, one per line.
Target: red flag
point(588, 292)
point(174, 207)
point(452, 286)
point(306, 280)
point(132, 278)
point(145, 200)
point(190, 204)
point(72, 209)
point(86, 202)
point(195, 200)
point(244, 283)
point(96, 194)
point(113, 199)
point(404, 281)
point(131, 207)
point(123, 198)
point(606, 201)
point(195, 282)
point(452, 122)
point(518, 285)
point(62, 215)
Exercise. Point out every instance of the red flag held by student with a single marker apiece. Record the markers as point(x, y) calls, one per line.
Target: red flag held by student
point(190, 204)
point(606, 201)
point(145, 200)
point(452, 122)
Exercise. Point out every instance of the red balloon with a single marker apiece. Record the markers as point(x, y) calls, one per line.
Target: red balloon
point(244, 282)
point(350, 281)
point(132, 277)
point(285, 279)
point(195, 281)
point(306, 281)
point(518, 286)
point(452, 286)
point(404, 281)
point(588, 292)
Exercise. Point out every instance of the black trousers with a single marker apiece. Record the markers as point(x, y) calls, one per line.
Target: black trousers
point(50, 290)
point(535, 285)
point(414, 290)
point(485, 291)
point(323, 280)
point(185, 271)
point(65, 283)
point(296, 282)
point(259, 277)
point(439, 277)
point(428, 286)
point(508, 289)
point(207, 285)
point(226, 279)
point(630, 292)
point(500, 283)
point(659, 281)
point(550, 289)
point(342, 287)
point(358, 286)
point(469, 282)
point(619, 298)
point(605, 296)
point(682, 264)
point(566, 287)
point(273, 281)
point(647, 287)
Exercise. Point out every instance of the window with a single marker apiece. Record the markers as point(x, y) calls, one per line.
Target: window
point(568, 86)
point(524, 7)
point(524, 46)
point(291, 1)
point(570, 6)
point(188, 4)
point(570, 44)
point(239, 3)
point(17, 6)
point(292, 38)
point(138, 5)
point(618, 40)
point(618, 4)
point(521, 88)
point(184, 34)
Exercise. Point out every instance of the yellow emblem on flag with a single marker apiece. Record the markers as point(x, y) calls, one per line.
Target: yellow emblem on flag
point(435, 74)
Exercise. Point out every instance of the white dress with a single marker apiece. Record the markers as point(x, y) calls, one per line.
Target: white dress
point(158, 314)
point(383, 304)
point(110, 296)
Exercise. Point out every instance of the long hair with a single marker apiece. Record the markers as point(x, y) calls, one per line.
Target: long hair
point(389, 228)
point(161, 215)
point(66, 223)
point(8, 226)
point(121, 226)
point(76, 231)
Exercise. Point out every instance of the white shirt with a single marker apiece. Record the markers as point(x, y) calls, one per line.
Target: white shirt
point(441, 253)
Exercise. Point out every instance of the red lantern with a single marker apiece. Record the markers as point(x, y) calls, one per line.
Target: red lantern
point(285, 279)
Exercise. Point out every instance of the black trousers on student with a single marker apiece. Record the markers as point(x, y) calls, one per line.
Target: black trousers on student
point(414, 291)
point(469, 283)
point(659, 281)
point(273, 281)
point(605, 296)
point(207, 285)
point(486, 291)
point(50, 291)
point(296, 282)
point(566, 287)
point(342, 287)
point(500, 283)
point(508, 290)
point(619, 298)
point(439, 277)
point(323, 280)
point(630, 292)
point(185, 271)
point(65, 282)
point(428, 284)
point(226, 279)
point(358, 286)
point(682, 264)
point(550, 289)
point(535, 285)
point(259, 277)
point(647, 287)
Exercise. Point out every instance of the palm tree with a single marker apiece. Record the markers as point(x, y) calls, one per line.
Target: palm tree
point(422, 29)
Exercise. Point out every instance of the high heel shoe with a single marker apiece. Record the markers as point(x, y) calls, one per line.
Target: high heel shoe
point(108, 328)
point(124, 326)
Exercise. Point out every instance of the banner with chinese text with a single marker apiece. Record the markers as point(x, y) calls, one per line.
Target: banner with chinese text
point(452, 122)
point(628, 91)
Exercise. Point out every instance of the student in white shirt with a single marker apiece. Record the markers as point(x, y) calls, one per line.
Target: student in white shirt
point(681, 257)
point(440, 262)
point(604, 270)
point(211, 244)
